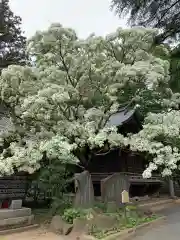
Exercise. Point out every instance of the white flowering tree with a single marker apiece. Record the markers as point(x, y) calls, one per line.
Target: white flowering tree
point(160, 140)
point(60, 106)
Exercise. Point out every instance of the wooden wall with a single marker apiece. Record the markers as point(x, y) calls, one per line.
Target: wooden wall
point(117, 161)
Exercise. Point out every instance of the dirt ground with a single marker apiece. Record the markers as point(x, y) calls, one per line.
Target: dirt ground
point(38, 234)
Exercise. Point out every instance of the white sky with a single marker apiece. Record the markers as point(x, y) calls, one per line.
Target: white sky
point(85, 16)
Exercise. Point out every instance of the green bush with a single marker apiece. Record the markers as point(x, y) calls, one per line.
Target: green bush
point(71, 213)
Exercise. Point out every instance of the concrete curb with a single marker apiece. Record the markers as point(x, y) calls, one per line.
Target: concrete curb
point(18, 230)
point(158, 206)
point(126, 234)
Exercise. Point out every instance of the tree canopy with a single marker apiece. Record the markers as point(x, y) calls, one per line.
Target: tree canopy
point(162, 14)
point(12, 42)
point(60, 106)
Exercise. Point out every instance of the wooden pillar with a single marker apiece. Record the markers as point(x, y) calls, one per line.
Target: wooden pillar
point(171, 188)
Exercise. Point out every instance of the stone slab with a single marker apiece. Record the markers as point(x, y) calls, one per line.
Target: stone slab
point(14, 213)
point(16, 221)
point(16, 204)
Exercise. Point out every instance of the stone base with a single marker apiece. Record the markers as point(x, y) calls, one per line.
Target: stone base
point(10, 222)
point(14, 218)
point(13, 213)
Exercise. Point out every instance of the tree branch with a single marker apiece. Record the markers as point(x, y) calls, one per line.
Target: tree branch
point(65, 67)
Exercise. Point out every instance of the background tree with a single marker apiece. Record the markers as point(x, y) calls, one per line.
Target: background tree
point(12, 42)
point(162, 14)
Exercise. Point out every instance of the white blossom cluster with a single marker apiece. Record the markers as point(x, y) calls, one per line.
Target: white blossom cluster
point(65, 99)
point(161, 139)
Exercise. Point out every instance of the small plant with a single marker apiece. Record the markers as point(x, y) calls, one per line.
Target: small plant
point(59, 205)
point(99, 233)
point(72, 213)
point(131, 207)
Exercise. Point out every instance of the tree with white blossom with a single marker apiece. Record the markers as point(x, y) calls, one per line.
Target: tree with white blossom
point(160, 140)
point(59, 107)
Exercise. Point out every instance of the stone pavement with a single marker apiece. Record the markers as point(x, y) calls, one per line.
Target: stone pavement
point(170, 230)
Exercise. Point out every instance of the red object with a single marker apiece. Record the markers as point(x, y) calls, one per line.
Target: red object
point(5, 204)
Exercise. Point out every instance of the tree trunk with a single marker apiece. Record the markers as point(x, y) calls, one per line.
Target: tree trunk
point(171, 188)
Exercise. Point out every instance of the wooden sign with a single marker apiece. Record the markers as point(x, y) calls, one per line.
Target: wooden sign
point(125, 196)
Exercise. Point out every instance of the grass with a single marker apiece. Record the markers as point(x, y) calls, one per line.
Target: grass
point(131, 222)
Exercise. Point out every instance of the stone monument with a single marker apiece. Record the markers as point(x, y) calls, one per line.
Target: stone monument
point(12, 193)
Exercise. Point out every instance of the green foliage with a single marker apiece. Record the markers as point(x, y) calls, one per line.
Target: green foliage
point(162, 14)
point(72, 213)
point(60, 203)
point(131, 208)
point(54, 180)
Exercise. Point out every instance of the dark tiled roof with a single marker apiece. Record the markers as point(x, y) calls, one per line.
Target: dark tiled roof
point(122, 116)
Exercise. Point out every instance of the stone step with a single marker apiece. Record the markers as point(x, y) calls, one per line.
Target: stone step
point(14, 213)
point(17, 221)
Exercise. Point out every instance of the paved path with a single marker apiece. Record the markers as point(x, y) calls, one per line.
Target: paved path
point(170, 230)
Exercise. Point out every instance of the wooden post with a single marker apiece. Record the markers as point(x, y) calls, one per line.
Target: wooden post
point(171, 188)
point(125, 201)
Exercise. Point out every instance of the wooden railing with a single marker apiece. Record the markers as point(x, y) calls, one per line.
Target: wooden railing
point(133, 177)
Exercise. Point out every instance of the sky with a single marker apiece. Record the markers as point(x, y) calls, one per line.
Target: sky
point(85, 16)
